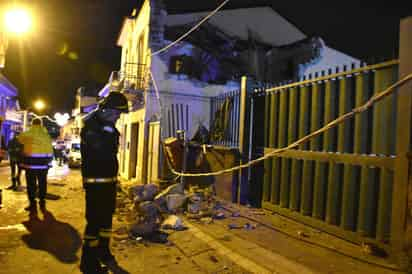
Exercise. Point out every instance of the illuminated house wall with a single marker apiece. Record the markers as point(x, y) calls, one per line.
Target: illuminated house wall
point(8, 104)
point(184, 96)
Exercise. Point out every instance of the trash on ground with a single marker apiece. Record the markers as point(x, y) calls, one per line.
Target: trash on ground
point(236, 214)
point(175, 201)
point(219, 216)
point(213, 259)
point(303, 234)
point(206, 220)
point(173, 222)
point(234, 226)
point(249, 226)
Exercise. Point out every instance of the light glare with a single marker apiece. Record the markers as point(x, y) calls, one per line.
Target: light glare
point(39, 105)
point(17, 21)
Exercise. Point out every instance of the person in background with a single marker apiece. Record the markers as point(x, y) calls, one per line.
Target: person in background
point(37, 153)
point(14, 148)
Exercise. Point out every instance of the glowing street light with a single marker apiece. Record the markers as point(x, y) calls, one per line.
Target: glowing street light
point(17, 21)
point(61, 119)
point(39, 105)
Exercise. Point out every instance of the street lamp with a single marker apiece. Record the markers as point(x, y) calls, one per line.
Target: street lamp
point(17, 21)
point(39, 105)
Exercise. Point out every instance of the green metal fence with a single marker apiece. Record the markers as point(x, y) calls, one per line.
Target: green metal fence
point(342, 180)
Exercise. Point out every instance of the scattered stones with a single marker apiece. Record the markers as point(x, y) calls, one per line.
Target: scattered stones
point(213, 259)
point(303, 234)
point(219, 216)
point(249, 226)
point(175, 201)
point(236, 214)
point(234, 226)
point(206, 220)
point(173, 222)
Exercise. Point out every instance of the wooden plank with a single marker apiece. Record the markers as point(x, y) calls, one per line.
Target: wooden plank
point(304, 115)
point(366, 220)
point(316, 117)
point(384, 205)
point(368, 202)
point(295, 173)
point(320, 171)
point(403, 141)
point(273, 141)
point(333, 202)
point(381, 146)
point(329, 137)
point(282, 142)
point(290, 169)
point(267, 179)
point(309, 166)
point(338, 158)
point(350, 191)
point(297, 166)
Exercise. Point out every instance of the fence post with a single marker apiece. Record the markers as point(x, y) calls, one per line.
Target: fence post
point(403, 145)
point(243, 140)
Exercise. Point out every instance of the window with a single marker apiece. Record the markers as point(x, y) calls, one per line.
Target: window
point(181, 64)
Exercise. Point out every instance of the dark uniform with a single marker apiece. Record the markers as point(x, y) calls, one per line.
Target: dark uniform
point(99, 146)
point(14, 149)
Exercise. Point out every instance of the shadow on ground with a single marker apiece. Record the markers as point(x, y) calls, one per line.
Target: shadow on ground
point(57, 238)
point(53, 197)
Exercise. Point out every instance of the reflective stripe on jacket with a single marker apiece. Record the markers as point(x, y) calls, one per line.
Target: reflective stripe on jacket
point(37, 150)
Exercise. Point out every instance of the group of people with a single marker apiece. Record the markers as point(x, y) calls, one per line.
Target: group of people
point(32, 151)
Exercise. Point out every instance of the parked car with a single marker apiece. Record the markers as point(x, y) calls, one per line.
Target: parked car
point(74, 156)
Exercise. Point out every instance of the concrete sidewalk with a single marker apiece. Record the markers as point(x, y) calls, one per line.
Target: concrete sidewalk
point(280, 245)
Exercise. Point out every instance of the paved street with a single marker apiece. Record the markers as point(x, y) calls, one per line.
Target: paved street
point(51, 242)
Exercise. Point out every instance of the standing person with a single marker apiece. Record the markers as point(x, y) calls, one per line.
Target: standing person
point(99, 145)
point(37, 153)
point(14, 148)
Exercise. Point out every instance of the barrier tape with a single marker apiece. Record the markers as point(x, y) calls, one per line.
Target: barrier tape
point(377, 97)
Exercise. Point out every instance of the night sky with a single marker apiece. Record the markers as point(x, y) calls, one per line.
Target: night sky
point(74, 43)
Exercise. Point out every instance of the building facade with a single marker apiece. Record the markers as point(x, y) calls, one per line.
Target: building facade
point(171, 90)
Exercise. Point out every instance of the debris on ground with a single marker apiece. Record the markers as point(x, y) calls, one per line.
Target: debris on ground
point(234, 226)
point(213, 259)
point(206, 220)
point(303, 234)
point(175, 201)
point(173, 222)
point(374, 250)
point(249, 226)
point(236, 214)
point(148, 210)
point(219, 216)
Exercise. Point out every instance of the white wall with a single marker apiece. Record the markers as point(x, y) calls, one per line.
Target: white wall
point(330, 58)
point(180, 90)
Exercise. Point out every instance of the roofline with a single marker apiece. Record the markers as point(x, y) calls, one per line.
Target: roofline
point(242, 8)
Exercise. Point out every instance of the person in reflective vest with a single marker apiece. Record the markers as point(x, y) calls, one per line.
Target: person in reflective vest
point(14, 148)
point(99, 146)
point(37, 153)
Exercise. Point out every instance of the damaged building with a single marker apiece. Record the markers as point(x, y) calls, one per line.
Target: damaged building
point(171, 90)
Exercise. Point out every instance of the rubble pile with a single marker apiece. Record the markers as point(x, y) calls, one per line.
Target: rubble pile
point(149, 211)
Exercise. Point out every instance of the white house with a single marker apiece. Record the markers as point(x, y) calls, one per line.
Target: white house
point(171, 90)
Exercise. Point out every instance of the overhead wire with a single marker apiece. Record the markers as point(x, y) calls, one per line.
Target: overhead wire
point(191, 30)
point(377, 97)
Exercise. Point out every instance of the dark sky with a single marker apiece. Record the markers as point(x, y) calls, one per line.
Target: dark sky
point(74, 43)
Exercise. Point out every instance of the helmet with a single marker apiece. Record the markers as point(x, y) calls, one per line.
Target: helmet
point(115, 100)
